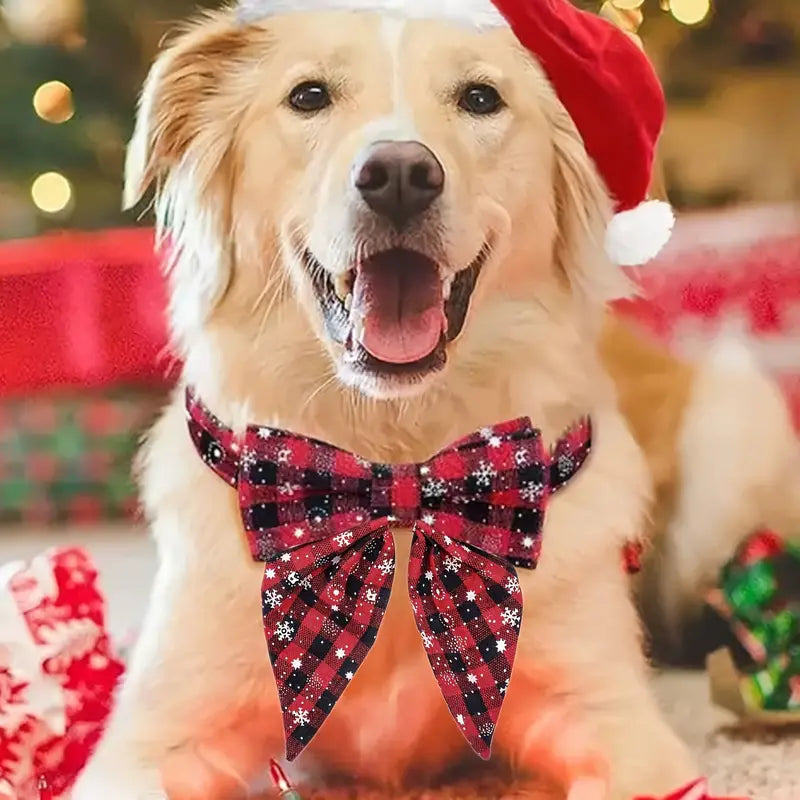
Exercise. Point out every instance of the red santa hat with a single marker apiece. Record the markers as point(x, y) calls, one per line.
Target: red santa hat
point(601, 76)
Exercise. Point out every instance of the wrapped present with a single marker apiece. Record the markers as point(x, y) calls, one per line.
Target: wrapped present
point(736, 270)
point(58, 672)
point(69, 457)
point(759, 597)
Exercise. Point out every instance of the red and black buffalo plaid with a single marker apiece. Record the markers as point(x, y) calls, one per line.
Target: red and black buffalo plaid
point(321, 517)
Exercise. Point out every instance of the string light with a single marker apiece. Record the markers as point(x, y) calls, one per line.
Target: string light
point(52, 193)
point(53, 102)
point(690, 12)
point(628, 15)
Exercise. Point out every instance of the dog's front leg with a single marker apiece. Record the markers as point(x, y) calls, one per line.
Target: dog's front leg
point(198, 713)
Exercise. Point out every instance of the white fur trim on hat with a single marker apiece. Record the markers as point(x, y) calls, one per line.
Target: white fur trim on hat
point(637, 236)
point(476, 13)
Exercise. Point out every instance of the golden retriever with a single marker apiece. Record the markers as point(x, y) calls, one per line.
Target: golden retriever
point(257, 136)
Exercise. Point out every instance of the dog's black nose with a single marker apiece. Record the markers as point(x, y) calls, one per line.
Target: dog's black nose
point(399, 180)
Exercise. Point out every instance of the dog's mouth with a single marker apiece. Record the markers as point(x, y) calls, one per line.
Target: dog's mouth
point(393, 312)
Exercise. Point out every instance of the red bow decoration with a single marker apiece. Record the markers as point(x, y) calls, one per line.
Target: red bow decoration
point(698, 790)
point(320, 517)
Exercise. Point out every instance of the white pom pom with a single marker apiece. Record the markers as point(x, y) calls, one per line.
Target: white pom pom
point(635, 237)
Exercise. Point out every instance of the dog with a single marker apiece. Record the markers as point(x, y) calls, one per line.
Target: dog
point(722, 451)
point(259, 189)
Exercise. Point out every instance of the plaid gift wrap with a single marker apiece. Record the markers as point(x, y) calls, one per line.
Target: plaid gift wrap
point(69, 457)
point(759, 596)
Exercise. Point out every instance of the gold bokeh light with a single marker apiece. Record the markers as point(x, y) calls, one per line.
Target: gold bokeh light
point(690, 12)
point(53, 102)
point(52, 193)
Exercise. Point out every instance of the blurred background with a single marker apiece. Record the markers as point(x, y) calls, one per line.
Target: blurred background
point(84, 357)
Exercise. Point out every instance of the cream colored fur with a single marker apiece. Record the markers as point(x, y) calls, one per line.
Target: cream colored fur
point(240, 180)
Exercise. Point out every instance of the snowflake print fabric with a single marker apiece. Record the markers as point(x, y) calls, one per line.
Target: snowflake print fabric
point(321, 519)
point(57, 672)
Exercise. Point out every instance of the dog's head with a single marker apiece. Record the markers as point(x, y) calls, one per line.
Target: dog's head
point(411, 189)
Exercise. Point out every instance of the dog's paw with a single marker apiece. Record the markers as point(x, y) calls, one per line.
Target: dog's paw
point(118, 781)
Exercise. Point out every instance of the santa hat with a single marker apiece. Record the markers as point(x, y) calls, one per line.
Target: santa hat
point(601, 76)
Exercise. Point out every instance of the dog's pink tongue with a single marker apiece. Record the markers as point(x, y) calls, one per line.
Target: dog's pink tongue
point(398, 297)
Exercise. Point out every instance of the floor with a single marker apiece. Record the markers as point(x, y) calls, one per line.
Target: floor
point(755, 765)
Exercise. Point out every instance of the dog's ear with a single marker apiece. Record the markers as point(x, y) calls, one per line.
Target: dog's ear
point(170, 118)
point(584, 210)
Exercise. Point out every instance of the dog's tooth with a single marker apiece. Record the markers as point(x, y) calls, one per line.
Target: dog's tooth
point(341, 285)
point(447, 286)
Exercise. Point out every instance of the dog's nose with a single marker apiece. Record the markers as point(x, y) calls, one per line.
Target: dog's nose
point(399, 180)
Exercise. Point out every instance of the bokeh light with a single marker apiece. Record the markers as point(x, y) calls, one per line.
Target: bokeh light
point(52, 193)
point(690, 12)
point(53, 102)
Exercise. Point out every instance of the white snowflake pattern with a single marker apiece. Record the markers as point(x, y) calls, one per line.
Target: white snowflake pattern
point(460, 719)
point(565, 464)
point(386, 566)
point(341, 653)
point(434, 487)
point(248, 458)
point(495, 441)
point(306, 582)
point(67, 642)
point(512, 585)
point(344, 538)
point(429, 575)
point(511, 617)
point(429, 519)
point(284, 455)
point(301, 717)
point(299, 533)
point(286, 557)
point(472, 678)
point(528, 542)
point(349, 675)
point(264, 433)
point(483, 474)
point(448, 541)
point(288, 489)
point(452, 564)
point(531, 492)
point(471, 595)
point(297, 663)
point(427, 640)
point(501, 645)
point(336, 560)
point(273, 598)
point(487, 433)
point(504, 687)
point(285, 630)
point(270, 573)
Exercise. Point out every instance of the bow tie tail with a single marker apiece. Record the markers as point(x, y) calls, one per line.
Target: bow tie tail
point(323, 604)
point(468, 609)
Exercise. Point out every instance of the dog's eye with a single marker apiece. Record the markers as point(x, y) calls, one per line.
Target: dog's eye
point(480, 99)
point(309, 97)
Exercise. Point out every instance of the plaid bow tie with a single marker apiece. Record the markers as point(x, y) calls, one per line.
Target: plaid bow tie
point(320, 517)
